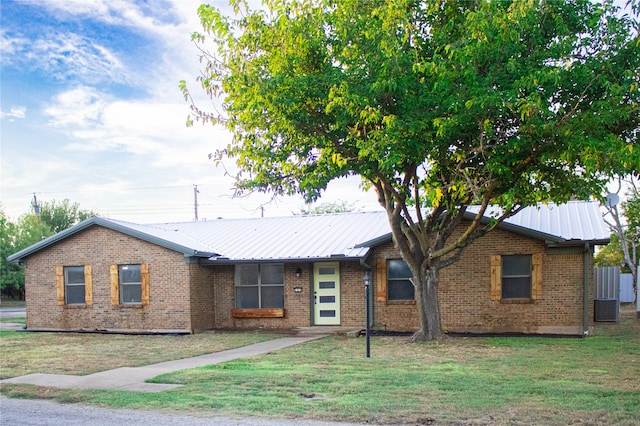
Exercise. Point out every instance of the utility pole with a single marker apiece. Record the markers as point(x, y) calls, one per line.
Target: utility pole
point(195, 200)
point(36, 206)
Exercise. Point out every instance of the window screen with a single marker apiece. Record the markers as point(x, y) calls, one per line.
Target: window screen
point(516, 277)
point(130, 284)
point(74, 285)
point(260, 285)
point(399, 286)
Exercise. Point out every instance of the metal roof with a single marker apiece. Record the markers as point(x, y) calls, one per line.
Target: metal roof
point(331, 236)
point(288, 238)
point(572, 222)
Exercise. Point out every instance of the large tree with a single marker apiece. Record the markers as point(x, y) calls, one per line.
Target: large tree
point(437, 105)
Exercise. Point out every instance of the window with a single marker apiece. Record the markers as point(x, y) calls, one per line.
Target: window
point(74, 285)
point(260, 285)
point(516, 277)
point(399, 286)
point(130, 284)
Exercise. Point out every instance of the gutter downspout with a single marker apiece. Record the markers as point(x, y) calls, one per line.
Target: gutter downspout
point(363, 263)
point(585, 291)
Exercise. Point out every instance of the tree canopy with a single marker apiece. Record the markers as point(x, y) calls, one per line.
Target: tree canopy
point(29, 229)
point(60, 215)
point(435, 104)
point(339, 206)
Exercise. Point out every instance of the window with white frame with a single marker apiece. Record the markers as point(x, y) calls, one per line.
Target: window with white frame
point(259, 285)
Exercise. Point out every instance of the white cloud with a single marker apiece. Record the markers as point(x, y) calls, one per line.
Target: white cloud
point(10, 46)
point(138, 15)
point(81, 106)
point(65, 55)
point(14, 112)
point(124, 150)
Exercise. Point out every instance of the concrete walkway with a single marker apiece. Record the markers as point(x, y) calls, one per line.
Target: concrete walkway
point(133, 378)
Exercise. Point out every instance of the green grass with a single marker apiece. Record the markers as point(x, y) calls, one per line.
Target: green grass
point(10, 303)
point(15, 320)
point(85, 353)
point(459, 381)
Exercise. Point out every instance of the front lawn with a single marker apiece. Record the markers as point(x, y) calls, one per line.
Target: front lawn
point(459, 381)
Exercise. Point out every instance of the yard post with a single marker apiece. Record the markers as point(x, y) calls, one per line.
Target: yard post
point(367, 285)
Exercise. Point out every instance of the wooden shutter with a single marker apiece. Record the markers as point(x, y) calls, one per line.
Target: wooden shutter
point(60, 284)
point(496, 278)
point(381, 280)
point(536, 276)
point(144, 276)
point(115, 287)
point(88, 285)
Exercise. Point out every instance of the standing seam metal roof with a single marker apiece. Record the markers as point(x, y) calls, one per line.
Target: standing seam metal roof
point(345, 235)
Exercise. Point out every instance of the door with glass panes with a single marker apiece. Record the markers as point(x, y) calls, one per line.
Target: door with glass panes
point(326, 293)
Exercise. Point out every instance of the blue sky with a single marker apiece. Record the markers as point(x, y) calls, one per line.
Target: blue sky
point(90, 111)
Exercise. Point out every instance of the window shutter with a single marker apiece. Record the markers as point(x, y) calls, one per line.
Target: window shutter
point(144, 276)
point(113, 279)
point(496, 278)
point(60, 284)
point(88, 285)
point(536, 276)
point(381, 280)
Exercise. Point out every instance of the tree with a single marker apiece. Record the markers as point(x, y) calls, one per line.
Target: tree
point(8, 271)
point(625, 241)
point(437, 105)
point(340, 206)
point(62, 215)
point(30, 228)
point(14, 237)
point(611, 254)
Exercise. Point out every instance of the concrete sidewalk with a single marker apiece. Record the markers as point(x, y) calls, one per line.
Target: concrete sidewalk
point(133, 378)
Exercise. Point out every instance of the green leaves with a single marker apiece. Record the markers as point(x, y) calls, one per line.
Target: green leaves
point(432, 103)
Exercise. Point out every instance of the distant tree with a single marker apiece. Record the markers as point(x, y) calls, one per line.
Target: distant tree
point(11, 276)
point(27, 231)
point(339, 206)
point(63, 214)
point(611, 254)
point(438, 104)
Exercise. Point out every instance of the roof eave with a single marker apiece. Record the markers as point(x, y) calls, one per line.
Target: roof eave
point(332, 258)
point(580, 243)
point(504, 225)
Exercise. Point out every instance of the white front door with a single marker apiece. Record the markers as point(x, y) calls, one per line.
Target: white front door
point(326, 293)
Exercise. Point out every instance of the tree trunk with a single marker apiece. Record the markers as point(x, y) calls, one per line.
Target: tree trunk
point(428, 306)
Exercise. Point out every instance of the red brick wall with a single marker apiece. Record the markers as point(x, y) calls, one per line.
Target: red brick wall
point(202, 297)
point(465, 304)
point(100, 247)
point(297, 305)
point(186, 296)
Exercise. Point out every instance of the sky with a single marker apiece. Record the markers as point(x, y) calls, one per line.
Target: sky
point(90, 111)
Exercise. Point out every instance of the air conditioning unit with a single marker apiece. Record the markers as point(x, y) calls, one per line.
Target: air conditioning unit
point(606, 310)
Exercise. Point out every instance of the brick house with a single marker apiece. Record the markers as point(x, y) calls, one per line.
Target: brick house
point(531, 275)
